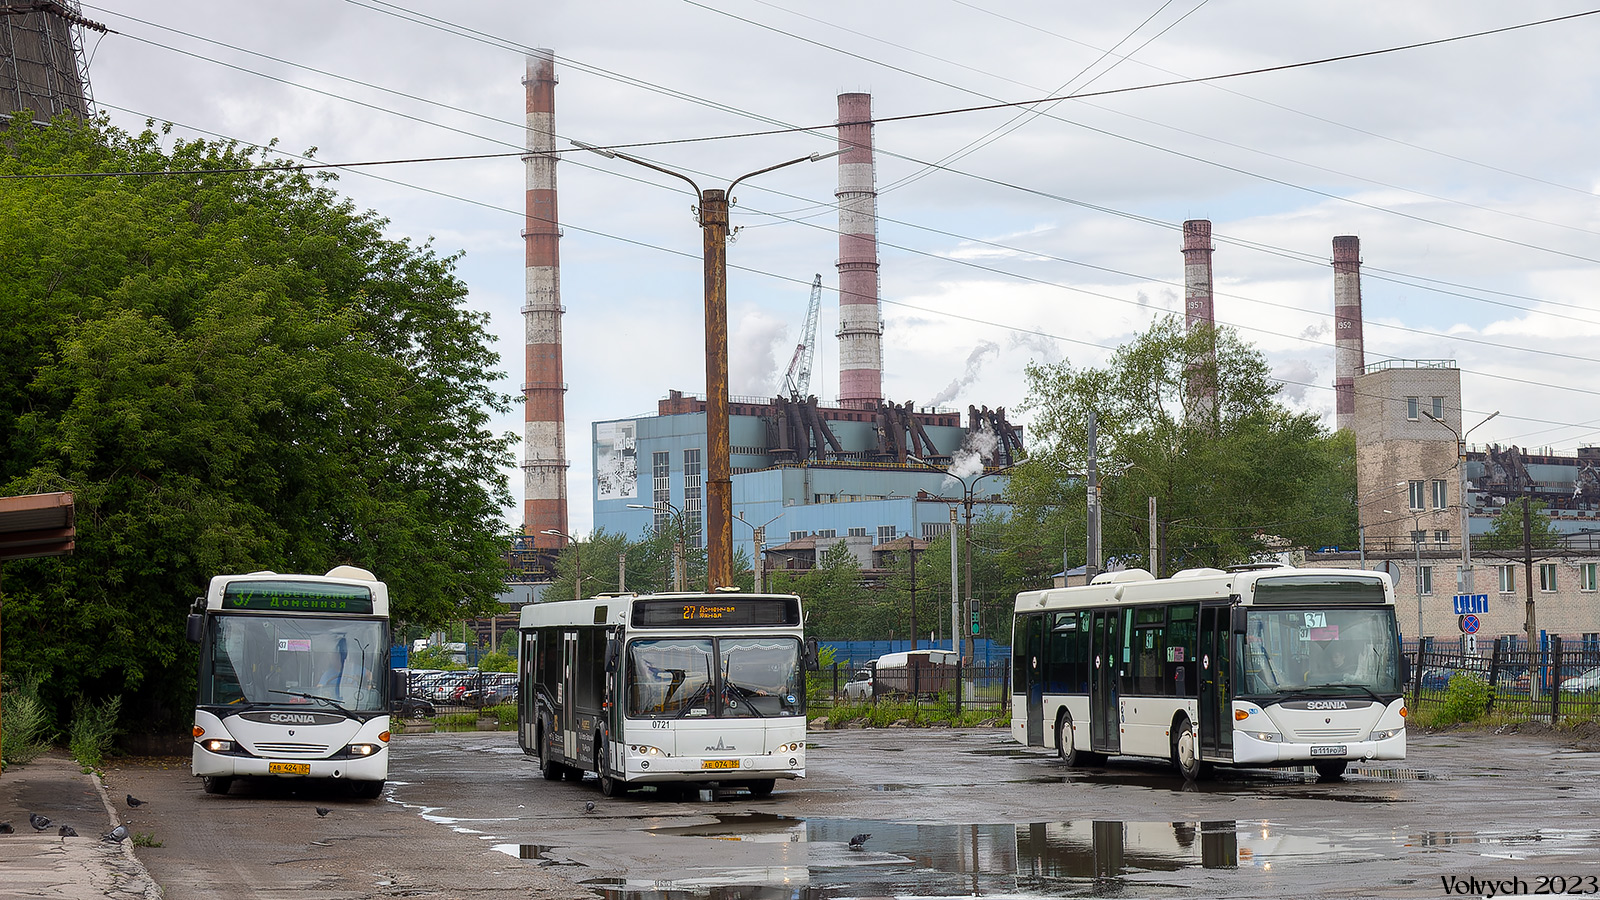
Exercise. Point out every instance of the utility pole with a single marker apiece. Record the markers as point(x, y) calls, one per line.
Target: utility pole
point(955, 591)
point(1529, 624)
point(913, 541)
point(1091, 566)
point(1155, 556)
point(622, 571)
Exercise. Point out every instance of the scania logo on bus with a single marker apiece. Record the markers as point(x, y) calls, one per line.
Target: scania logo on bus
point(1327, 704)
point(292, 718)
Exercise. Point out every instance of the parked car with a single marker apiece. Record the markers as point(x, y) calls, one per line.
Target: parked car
point(413, 708)
point(859, 687)
point(1587, 680)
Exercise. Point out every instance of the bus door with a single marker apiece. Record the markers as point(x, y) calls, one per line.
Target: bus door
point(1216, 721)
point(1031, 641)
point(569, 695)
point(1105, 721)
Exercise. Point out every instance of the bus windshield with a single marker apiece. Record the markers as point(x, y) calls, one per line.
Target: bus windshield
point(729, 677)
point(294, 660)
point(1337, 651)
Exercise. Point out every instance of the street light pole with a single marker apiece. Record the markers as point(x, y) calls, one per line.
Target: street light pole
point(577, 560)
point(679, 539)
point(1467, 580)
point(759, 543)
point(1416, 542)
point(713, 217)
point(966, 502)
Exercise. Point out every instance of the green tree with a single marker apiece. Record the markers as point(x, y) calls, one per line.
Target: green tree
point(1235, 477)
point(1505, 538)
point(232, 369)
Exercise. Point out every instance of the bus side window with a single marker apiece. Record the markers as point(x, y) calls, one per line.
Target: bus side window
point(1181, 675)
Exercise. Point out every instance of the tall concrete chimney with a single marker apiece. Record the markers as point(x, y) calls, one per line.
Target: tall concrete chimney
point(1199, 310)
point(1349, 359)
point(860, 331)
point(544, 461)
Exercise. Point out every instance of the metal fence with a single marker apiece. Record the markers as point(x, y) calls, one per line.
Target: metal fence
point(1556, 681)
point(982, 687)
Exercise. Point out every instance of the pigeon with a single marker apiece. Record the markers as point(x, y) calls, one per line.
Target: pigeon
point(116, 835)
point(5, 828)
point(859, 841)
point(134, 801)
point(38, 822)
point(588, 806)
point(322, 812)
point(68, 831)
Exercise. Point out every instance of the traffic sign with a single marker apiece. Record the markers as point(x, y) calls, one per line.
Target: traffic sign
point(1470, 603)
point(1469, 624)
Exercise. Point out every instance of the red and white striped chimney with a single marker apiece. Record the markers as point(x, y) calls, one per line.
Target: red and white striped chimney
point(544, 460)
point(1197, 301)
point(1349, 358)
point(860, 330)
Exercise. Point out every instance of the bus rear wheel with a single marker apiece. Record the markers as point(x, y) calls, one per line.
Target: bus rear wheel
point(548, 767)
point(1186, 753)
point(609, 786)
point(1067, 749)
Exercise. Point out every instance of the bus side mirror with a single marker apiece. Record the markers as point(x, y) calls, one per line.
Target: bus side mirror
point(813, 655)
point(397, 687)
point(195, 627)
point(1240, 617)
point(613, 653)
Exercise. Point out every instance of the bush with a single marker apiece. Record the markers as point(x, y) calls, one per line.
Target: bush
point(93, 727)
point(1466, 699)
point(506, 713)
point(26, 724)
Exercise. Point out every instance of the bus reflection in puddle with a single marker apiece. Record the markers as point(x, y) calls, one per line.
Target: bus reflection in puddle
point(1039, 859)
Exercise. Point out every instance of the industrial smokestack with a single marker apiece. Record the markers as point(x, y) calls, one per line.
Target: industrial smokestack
point(544, 464)
point(1199, 311)
point(1349, 359)
point(860, 330)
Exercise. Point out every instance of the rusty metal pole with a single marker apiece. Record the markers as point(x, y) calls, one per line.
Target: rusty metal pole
point(719, 471)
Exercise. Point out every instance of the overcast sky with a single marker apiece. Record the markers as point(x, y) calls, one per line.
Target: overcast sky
point(1050, 232)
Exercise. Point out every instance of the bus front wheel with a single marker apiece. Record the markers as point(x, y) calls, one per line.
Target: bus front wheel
point(366, 790)
point(1067, 748)
point(548, 767)
point(216, 784)
point(761, 787)
point(609, 786)
point(1186, 753)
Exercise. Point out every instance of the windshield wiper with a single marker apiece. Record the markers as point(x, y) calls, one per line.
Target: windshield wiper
point(746, 693)
point(701, 692)
point(328, 700)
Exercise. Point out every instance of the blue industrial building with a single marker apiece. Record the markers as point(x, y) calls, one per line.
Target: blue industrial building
point(801, 471)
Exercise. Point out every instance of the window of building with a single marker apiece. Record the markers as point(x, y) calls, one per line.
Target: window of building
point(1508, 579)
point(1547, 577)
point(1412, 406)
point(661, 489)
point(796, 535)
point(1438, 407)
point(693, 502)
point(827, 533)
point(1441, 536)
point(886, 533)
point(931, 530)
point(1425, 580)
point(858, 532)
point(1416, 491)
point(1586, 576)
point(1441, 499)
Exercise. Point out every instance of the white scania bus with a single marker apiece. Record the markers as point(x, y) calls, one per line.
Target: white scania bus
point(294, 679)
point(672, 689)
point(1263, 666)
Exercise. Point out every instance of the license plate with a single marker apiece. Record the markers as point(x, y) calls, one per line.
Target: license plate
point(288, 768)
point(1335, 750)
point(719, 764)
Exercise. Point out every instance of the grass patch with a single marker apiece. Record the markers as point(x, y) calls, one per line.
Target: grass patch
point(920, 715)
point(94, 725)
point(504, 713)
point(146, 839)
point(27, 723)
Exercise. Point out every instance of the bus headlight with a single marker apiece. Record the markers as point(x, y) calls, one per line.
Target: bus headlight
point(790, 748)
point(362, 749)
point(1267, 736)
point(1387, 733)
point(645, 750)
point(216, 745)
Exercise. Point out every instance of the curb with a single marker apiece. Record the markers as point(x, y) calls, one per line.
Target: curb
point(128, 876)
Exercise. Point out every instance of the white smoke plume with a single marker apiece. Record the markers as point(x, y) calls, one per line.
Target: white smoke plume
point(1297, 376)
point(758, 349)
point(1318, 330)
point(968, 461)
point(974, 363)
point(1041, 349)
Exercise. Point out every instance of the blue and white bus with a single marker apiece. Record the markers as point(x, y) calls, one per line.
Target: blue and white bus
point(667, 689)
point(1262, 666)
point(294, 679)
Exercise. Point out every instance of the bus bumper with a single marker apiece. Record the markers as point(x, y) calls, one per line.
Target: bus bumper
point(693, 768)
point(1248, 750)
point(367, 768)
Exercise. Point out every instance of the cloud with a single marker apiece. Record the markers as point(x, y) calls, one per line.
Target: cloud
point(754, 347)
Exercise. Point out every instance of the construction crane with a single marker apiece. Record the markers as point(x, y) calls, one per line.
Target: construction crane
point(797, 381)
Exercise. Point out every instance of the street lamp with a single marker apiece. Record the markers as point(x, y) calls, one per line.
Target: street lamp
point(577, 560)
point(759, 543)
point(679, 539)
point(1416, 542)
point(1466, 521)
point(713, 217)
point(966, 501)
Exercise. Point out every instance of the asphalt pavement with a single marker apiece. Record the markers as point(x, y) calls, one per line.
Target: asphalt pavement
point(43, 862)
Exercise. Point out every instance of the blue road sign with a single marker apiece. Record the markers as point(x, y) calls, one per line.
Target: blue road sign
point(1469, 624)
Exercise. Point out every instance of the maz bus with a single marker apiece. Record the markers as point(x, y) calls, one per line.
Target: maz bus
point(294, 679)
point(671, 689)
point(1261, 666)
